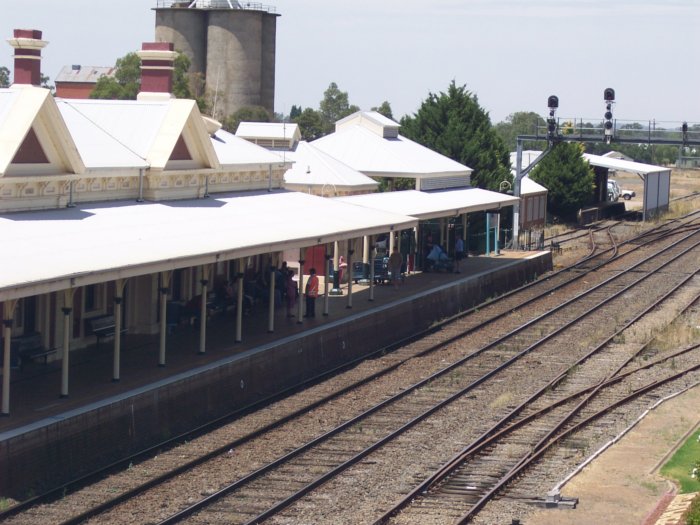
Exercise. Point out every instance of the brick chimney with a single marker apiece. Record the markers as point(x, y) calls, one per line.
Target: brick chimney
point(28, 45)
point(157, 65)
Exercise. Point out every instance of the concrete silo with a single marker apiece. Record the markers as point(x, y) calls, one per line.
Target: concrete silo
point(232, 44)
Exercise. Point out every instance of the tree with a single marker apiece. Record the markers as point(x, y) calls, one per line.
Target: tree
point(126, 82)
point(310, 124)
point(4, 77)
point(334, 107)
point(294, 112)
point(384, 109)
point(245, 114)
point(519, 123)
point(568, 178)
point(455, 125)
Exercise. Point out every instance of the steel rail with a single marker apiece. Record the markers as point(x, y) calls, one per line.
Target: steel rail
point(198, 506)
point(86, 479)
point(499, 429)
point(536, 454)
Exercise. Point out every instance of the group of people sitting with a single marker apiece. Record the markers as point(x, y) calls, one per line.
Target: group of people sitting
point(256, 290)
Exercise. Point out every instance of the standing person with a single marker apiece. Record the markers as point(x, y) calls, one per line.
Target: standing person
point(290, 288)
point(459, 252)
point(311, 293)
point(395, 263)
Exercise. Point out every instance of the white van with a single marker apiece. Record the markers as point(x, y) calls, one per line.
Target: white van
point(613, 190)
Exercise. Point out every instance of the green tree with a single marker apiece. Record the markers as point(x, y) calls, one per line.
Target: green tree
point(384, 109)
point(294, 112)
point(455, 125)
point(245, 114)
point(126, 82)
point(334, 106)
point(519, 123)
point(568, 178)
point(310, 124)
point(4, 77)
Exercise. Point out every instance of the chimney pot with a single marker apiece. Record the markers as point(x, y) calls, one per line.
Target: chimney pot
point(157, 65)
point(28, 45)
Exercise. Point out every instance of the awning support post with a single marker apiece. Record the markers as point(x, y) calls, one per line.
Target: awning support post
point(164, 289)
point(65, 362)
point(8, 313)
point(203, 310)
point(349, 270)
point(119, 286)
point(300, 300)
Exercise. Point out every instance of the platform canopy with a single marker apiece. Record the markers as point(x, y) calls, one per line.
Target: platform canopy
point(623, 165)
point(432, 205)
point(58, 249)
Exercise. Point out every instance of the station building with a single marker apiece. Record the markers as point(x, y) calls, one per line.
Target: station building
point(115, 214)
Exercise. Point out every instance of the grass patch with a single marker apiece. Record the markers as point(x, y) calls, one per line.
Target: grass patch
point(680, 466)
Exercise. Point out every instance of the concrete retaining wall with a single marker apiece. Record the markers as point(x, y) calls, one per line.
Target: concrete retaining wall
point(53, 453)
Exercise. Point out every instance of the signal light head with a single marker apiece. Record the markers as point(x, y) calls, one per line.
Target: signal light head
point(609, 94)
point(553, 102)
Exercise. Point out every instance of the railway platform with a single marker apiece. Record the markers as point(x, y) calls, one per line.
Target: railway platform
point(47, 440)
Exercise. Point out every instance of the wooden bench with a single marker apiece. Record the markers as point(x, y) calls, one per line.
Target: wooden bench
point(102, 327)
point(27, 347)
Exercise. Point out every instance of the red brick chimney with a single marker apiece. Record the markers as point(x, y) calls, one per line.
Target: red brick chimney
point(157, 65)
point(28, 45)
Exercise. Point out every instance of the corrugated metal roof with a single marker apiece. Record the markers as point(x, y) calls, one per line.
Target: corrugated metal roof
point(84, 74)
point(97, 243)
point(97, 148)
point(365, 151)
point(134, 124)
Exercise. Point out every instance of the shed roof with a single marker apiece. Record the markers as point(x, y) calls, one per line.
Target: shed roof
point(623, 165)
point(84, 74)
point(57, 249)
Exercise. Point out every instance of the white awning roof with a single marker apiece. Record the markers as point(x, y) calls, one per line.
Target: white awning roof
point(58, 249)
point(623, 165)
point(432, 205)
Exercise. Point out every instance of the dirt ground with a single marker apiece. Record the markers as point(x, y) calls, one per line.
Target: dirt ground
point(622, 486)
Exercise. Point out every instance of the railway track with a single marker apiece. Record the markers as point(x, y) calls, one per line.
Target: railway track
point(528, 295)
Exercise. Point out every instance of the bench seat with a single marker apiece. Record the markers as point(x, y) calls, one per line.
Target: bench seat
point(103, 327)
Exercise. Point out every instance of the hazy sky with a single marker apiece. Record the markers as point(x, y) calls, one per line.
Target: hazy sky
point(512, 54)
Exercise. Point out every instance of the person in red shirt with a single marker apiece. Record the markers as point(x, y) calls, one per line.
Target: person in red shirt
point(311, 293)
